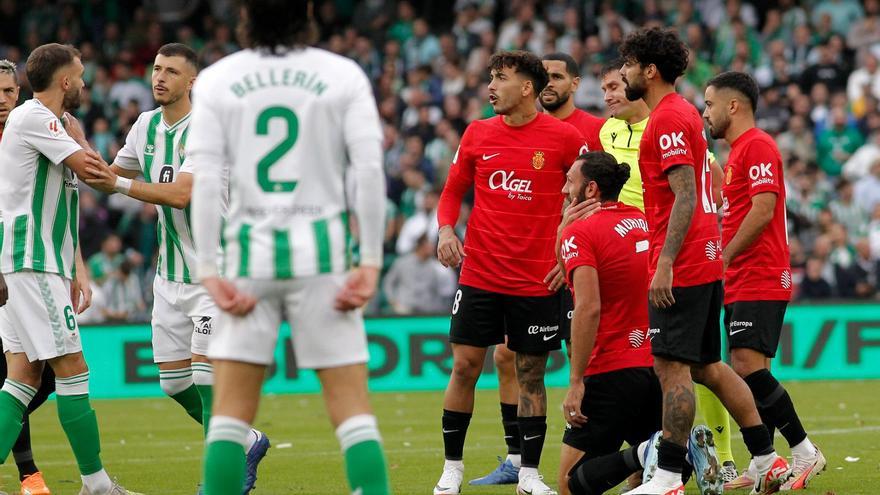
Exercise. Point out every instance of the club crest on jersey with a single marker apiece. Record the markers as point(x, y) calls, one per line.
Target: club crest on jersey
point(166, 175)
point(149, 149)
point(538, 160)
point(729, 176)
point(181, 152)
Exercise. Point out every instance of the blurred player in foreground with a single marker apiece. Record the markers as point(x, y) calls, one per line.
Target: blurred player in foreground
point(290, 122)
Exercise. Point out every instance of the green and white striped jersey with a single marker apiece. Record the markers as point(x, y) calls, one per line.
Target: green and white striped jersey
point(289, 128)
point(39, 212)
point(156, 150)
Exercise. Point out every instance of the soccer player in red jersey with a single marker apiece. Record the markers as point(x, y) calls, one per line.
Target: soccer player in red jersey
point(611, 380)
point(757, 271)
point(516, 163)
point(685, 266)
point(557, 99)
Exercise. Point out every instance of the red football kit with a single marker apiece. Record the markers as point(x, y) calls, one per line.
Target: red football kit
point(674, 136)
point(614, 241)
point(517, 174)
point(762, 272)
point(589, 125)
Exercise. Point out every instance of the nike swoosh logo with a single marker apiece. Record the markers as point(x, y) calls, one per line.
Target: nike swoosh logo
point(548, 337)
point(532, 437)
point(489, 157)
point(449, 431)
point(734, 332)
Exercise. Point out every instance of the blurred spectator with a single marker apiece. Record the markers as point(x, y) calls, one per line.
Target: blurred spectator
point(422, 47)
point(826, 70)
point(107, 260)
point(860, 163)
point(123, 294)
point(423, 222)
point(867, 189)
point(797, 140)
point(814, 286)
point(417, 283)
point(837, 143)
point(128, 87)
point(843, 14)
point(845, 211)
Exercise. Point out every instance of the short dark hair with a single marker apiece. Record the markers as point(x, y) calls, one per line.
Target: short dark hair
point(661, 47)
point(603, 169)
point(274, 23)
point(740, 82)
point(44, 62)
point(525, 63)
point(613, 66)
point(180, 50)
point(571, 66)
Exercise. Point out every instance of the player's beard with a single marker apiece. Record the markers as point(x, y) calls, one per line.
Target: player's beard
point(582, 193)
point(718, 128)
point(560, 100)
point(71, 100)
point(169, 99)
point(635, 92)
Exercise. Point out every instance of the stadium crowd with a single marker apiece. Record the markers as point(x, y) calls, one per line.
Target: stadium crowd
point(817, 62)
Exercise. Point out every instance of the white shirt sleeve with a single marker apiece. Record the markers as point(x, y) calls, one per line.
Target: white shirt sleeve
point(44, 131)
point(205, 158)
point(127, 157)
point(363, 140)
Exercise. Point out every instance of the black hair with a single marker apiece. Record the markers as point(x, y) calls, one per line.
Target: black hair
point(661, 47)
point(740, 82)
point(603, 169)
point(613, 66)
point(525, 63)
point(180, 50)
point(571, 66)
point(271, 24)
point(45, 61)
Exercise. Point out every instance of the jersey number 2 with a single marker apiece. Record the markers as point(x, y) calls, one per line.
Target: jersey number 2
point(276, 153)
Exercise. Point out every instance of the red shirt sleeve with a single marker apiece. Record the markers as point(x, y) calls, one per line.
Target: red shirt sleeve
point(577, 249)
point(459, 180)
point(593, 140)
point(762, 168)
point(673, 140)
point(575, 146)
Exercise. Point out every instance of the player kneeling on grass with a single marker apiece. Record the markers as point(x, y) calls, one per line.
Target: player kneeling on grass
point(289, 141)
point(41, 161)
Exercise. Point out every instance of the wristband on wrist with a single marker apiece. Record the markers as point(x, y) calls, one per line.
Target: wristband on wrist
point(123, 184)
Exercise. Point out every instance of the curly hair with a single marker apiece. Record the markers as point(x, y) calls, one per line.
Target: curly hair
point(271, 24)
point(661, 47)
point(603, 169)
point(525, 63)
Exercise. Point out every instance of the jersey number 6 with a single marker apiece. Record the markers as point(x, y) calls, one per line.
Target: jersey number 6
point(276, 153)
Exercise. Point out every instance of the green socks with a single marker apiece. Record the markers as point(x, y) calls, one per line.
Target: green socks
point(79, 421)
point(717, 419)
point(178, 384)
point(364, 458)
point(14, 398)
point(225, 467)
point(203, 377)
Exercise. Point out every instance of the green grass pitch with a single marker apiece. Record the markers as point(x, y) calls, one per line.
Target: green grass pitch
point(151, 446)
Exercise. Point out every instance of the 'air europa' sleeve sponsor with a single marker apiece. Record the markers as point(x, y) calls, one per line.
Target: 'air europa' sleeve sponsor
point(43, 130)
point(671, 135)
point(762, 168)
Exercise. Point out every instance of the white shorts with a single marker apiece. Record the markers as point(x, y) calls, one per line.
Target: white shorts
point(183, 315)
point(38, 319)
point(322, 337)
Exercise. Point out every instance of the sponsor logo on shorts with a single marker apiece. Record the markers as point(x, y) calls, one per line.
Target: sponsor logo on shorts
point(548, 337)
point(740, 326)
point(537, 329)
point(652, 332)
point(203, 325)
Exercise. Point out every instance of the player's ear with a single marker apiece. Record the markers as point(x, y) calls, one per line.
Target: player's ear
point(528, 86)
point(575, 82)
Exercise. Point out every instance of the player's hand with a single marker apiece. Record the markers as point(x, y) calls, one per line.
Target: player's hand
point(73, 128)
point(81, 292)
point(579, 211)
point(4, 291)
point(450, 250)
point(660, 293)
point(102, 178)
point(571, 406)
point(359, 288)
point(555, 279)
point(228, 297)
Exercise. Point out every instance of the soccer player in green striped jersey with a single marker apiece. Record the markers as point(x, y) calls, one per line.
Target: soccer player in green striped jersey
point(290, 122)
point(183, 311)
point(41, 161)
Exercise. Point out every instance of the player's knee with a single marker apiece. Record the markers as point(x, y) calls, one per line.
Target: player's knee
point(466, 369)
point(504, 357)
point(746, 361)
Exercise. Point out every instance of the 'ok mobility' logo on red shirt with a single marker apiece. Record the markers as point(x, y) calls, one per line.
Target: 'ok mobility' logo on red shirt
point(673, 139)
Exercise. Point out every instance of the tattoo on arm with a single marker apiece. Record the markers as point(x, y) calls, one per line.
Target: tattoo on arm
point(530, 369)
point(683, 185)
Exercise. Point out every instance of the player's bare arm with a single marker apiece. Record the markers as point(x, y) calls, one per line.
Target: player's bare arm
point(584, 326)
point(81, 288)
point(756, 220)
point(175, 194)
point(4, 291)
point(683, 185)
